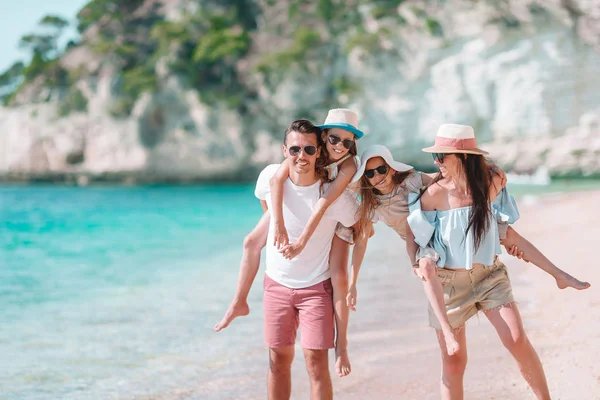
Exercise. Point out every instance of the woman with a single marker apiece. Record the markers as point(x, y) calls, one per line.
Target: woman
point(454, 215)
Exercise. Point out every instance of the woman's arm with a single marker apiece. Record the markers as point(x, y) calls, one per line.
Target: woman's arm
point(337, 187)
point(276, 186)
point(498, 180)
point(358, 255)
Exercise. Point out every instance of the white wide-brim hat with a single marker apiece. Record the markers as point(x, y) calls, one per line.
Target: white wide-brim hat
point(342, 118)
point(378, 150)
point(453, 138)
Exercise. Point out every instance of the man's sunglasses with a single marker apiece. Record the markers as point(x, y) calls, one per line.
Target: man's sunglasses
point(333, 139)
point(295, 150)
point(381, 170)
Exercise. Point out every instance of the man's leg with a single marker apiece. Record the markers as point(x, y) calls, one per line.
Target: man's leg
point(279, 383)
point(338, 263)
point(253, 243)
point(318, 372)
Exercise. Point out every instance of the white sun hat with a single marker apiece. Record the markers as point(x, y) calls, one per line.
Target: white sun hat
point(378, 150)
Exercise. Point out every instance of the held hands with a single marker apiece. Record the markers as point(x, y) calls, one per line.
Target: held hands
point(291, 250)
point(281, 237)
point(351, 298)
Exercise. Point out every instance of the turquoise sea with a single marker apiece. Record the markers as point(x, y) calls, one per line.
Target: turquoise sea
point(111, 292)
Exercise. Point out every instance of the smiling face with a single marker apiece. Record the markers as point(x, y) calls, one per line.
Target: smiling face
point(382, 182)
point(450, 165)
point(337, 136)
point(297, 148)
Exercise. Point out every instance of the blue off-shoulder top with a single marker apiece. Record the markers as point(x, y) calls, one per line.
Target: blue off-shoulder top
point(444, 231)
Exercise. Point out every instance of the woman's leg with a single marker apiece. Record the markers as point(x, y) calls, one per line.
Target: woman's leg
point(435, 294)
point(533, 255)
point(453, 366)
point(253, 244)
point(338, 264)
point(508, 324)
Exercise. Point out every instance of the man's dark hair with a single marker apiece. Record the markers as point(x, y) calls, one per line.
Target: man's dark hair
point(304, 127)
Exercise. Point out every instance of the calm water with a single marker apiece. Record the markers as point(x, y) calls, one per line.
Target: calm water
point(112, 292)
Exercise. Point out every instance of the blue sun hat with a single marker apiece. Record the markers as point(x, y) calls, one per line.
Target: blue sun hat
point(342, 118)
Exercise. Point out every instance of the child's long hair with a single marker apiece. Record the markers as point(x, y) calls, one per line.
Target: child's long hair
point(368, 196)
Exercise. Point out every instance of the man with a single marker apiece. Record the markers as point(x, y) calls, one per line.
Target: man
point(298, 292)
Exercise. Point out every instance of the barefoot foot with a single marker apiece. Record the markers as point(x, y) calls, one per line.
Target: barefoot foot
point(452, 345)
point(235, 310)
point(566, 280)
point(342, 362)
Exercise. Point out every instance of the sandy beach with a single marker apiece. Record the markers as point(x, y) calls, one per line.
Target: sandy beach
point(394, 353)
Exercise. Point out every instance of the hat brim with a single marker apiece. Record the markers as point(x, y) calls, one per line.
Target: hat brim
point(347, 127)
point(395, 165)
point(443, 149)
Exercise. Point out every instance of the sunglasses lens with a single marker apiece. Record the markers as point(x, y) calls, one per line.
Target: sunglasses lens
point(294, 150)
point(348, 144)
point(333, 139)
point(370, 173)
point(382, 169)
point(310, 150)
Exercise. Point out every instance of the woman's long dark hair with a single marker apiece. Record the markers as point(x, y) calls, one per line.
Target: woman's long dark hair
point(478, 172)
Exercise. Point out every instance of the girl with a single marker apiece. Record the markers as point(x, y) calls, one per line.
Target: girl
point(340, 132)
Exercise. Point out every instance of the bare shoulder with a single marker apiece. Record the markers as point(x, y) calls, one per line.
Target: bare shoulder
point(432, 196)
point(348, 166)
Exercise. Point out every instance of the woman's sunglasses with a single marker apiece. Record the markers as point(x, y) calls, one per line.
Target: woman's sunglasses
point(440, 156)
point(333, 139)
point(295, 150)
point(381, 170)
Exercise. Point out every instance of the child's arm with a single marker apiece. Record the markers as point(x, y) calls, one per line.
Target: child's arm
point(280, 237)
point(411, 250)
point(358, 255)
point(498, 180)
point(347, 170)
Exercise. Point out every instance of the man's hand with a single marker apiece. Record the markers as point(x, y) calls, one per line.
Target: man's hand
point(351, 298)
point(280, 237)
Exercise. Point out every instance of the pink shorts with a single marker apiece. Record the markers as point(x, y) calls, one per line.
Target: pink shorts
point(309, 308)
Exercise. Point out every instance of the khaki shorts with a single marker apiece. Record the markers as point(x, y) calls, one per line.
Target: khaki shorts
point(468, 291)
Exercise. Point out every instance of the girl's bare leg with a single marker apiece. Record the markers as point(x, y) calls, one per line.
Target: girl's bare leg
point(533, 255)
point(253, 244)
point(435, 294)
point(338, 263)
point(453, 366)
point(508, 324)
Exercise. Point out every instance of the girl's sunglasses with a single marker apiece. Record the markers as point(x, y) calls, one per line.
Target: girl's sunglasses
point(333, 139)
point(295, 150)
point(381, 170)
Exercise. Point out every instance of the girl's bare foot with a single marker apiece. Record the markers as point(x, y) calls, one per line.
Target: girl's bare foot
point(236, 309)
point(565, 280)
point(452, 345)
point(342, 362)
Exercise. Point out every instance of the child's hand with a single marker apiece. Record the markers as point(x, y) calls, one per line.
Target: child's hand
point(351, 298)
point(292, 250)
point(417, 271)
point(280, 237)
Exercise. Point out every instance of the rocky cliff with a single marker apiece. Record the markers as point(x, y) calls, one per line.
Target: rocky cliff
point(187, 90)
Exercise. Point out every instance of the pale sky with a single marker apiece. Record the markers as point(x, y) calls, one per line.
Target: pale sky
point(20, 17)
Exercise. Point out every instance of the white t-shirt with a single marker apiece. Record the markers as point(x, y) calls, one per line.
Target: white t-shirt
point(311, 266)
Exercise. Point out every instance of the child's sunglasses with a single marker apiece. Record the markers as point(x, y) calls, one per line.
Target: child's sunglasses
point(381, 170)
point(295, 150)
point(333, 139)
